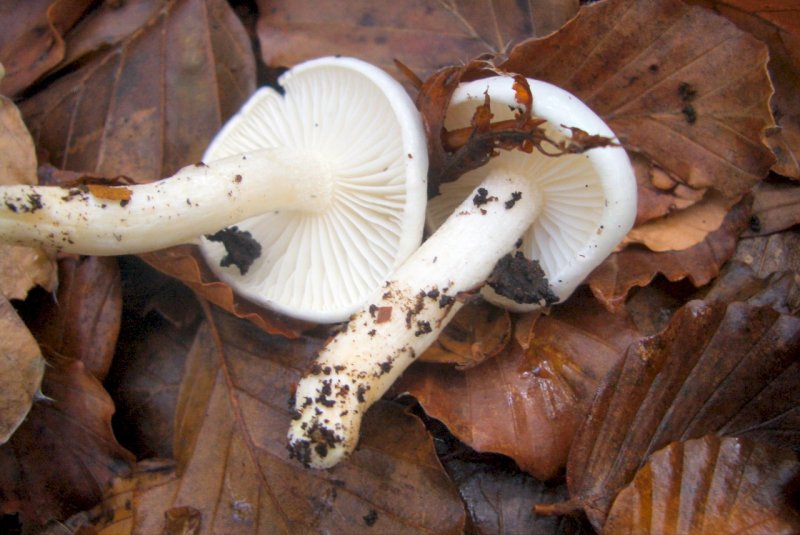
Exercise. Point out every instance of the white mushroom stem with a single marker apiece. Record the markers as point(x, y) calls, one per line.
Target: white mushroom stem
point(198, 199)
point(405, 317)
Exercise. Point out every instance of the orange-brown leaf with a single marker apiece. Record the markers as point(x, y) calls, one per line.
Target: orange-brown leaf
point(527, 404)
point(150, 104)
point(708, 486)
point(679, 84)
point(64, 456)
point(776, 207)
point(721, 369)
point(636, 266)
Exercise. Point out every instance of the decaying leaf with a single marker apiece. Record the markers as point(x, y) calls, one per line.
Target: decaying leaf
point(722, 369)
point(498, 499)
point(478, 332)
point(424, 35)
point(636, 266)
point(150, 104)
point(682, 229)
point(21, 370)
point(770, 254)
point(679, 84)
point(82, 321)
point(21, 268)
point(234, 467)
point(527, 404)
point(187, 265)
point(64, 455)
point(739, 282)
point(776, 207)
point(708, 486)
point(31, 42)
point(659, 194)
point(778, 25)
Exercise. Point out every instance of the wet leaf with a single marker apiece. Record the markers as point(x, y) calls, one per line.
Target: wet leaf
point(82, 320)
point(739, 282)
point(527, 404)
point(186, 264)
point(424, 35)
point(770, 254)
point(727, 370)
point(679, 84)
point(499, 497)
point(234, 467)
point(21, 370)
point(31, 42)
point(21, 268)
point(477, 332)
point(636, 266)
point(682, 229)
point(64, 455)
point(150, 104)
point(778, 25)
point(707, 486)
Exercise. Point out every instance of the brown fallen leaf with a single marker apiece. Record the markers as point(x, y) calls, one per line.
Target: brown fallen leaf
point(721, 369)
point(679, 84)
point(64, 455)
point(82, 320)
point(499, 497)
point(636, 266)
point(776, 207)
point(31, 42)
point(658, 194)
point(234, 467)
point(778, 25)
point(187, 265)
point(710, 485)
point(21, 370)
point(477, 332)
point(150, 104)
point(770, 254)
point(21, 268)
point(739, 282)
point(424, 34)
point(527, 404)
point(682, 229)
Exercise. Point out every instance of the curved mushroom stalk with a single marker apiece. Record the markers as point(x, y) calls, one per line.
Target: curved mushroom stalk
point(405, 317)
point(198, 199)
point(567, 212)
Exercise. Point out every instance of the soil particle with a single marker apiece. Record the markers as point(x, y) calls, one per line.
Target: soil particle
point(521, 280)
point(515, 196)
point(482, 197)
point(240, 247)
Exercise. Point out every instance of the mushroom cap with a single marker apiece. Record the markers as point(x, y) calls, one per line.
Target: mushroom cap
point(588, 200)
point(321, 264)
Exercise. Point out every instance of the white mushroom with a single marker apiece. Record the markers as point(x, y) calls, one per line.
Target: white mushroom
point(326, 185)
point(570, 211)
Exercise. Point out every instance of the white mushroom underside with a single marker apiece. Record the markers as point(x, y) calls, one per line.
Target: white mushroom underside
point(327, 258)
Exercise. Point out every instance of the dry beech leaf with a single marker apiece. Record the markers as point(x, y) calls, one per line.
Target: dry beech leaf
point(83, 320)
point(770, 254)
point(682, 229)
point(710, 485)
point(234, 467)
point(776, 207)
point(527, 404)
point(479, 331)
point(727, 370)
point(423, 34)
point(679, 84)
point(499, 497)
point(187, 265)
point(21, 268)
point(636, 266)
point(150, 104)
point(64, 455)
point(21, 370)
point(31, 42)
point(776, 23)
point(658, 194)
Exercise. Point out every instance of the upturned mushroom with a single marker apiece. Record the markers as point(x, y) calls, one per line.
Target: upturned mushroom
point(567, 212)
point(326, 186)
